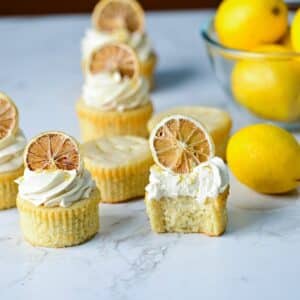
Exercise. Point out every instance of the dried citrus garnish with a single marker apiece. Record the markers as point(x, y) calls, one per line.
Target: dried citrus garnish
point(52, 151)
point(8, 117)
point(111, 15)
point(115, 57)
point(180, 143)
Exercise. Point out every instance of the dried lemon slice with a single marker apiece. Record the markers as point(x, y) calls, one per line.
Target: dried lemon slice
point(114, 57)
point(9, 122)
point(111, 15)
point(52, 151)
point(180, 143)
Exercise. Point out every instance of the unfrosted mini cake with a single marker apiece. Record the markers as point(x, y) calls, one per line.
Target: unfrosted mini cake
point(120, 166)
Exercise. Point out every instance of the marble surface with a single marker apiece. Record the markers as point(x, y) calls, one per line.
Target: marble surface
point(258, 257)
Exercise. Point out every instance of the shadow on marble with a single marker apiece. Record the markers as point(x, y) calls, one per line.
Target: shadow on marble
point(251, 213)
point(244, 198)
point(113, 223)
point(240, 220)
point(176, 76)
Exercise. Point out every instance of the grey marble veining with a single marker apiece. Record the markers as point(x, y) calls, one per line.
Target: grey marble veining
point(258, 257)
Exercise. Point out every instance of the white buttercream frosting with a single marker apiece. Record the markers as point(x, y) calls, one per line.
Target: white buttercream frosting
point(94, 39)
point(110, 92)
point(207, 180)
point(11, 152)
point(55, 188)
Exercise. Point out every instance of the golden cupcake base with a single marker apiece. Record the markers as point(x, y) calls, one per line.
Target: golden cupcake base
point(8, 188)
point(95, 123)
point(147, 69)
point(123, 183)
point(59, 227)
point(186, 215)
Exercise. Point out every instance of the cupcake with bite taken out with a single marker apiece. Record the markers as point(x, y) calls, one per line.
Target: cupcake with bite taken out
point(188, 186)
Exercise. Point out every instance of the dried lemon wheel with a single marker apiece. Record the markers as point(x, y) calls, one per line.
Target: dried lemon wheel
point(179, 144)
point(8, 117)
point(52, 151)
point(114, 57)
point(111, 15)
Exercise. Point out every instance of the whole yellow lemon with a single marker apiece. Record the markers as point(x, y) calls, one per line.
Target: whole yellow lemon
point(286, 40)
point(266, 158)
point(268, 88)
point(295, 32)
point(245, 24)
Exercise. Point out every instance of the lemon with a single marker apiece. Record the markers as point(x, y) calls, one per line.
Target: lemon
point(295, 32)
point(286, 40)
point(268, 88)
point(266, 158)
point(245, 24)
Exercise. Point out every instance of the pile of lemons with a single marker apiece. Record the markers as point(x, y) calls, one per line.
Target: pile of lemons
point(269, 86)
point(264, 157)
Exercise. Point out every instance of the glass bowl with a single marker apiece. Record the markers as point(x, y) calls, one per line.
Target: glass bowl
point(265, 84)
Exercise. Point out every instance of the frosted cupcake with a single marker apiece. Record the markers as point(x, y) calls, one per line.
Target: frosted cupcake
point(188, 187)
point(12, 144)
point(115, 97)
point(57, 200)
point(120, 21)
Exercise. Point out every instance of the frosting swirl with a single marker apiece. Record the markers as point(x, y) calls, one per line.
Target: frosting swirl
point(207, 180)
point(138, 41)
point(55, 188)
point(109, 91)
point(11, 152)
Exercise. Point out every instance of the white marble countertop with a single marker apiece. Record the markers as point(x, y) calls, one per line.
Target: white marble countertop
point(257, 258)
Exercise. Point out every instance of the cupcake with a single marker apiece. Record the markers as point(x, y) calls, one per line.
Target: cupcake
point(120, 166)
point(120, 21)
point(115, 97)
point(57, 200)
point(218, 123)
point(12, 144)
point(188, 185)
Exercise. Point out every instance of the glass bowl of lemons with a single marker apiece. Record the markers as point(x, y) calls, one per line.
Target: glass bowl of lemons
point(255, 54)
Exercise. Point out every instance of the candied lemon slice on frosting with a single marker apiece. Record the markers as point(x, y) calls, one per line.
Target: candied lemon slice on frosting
point(217, 122)
point(52, 151)
point(179, 143)
point(8, 117)
point(115, 57)
point(111, 15)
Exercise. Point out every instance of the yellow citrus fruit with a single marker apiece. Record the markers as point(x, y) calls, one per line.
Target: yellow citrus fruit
point(295, 32)
point(271, 48)
point(269, 88)
point(286, 40)
point(245, 24)
point(266, 158)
